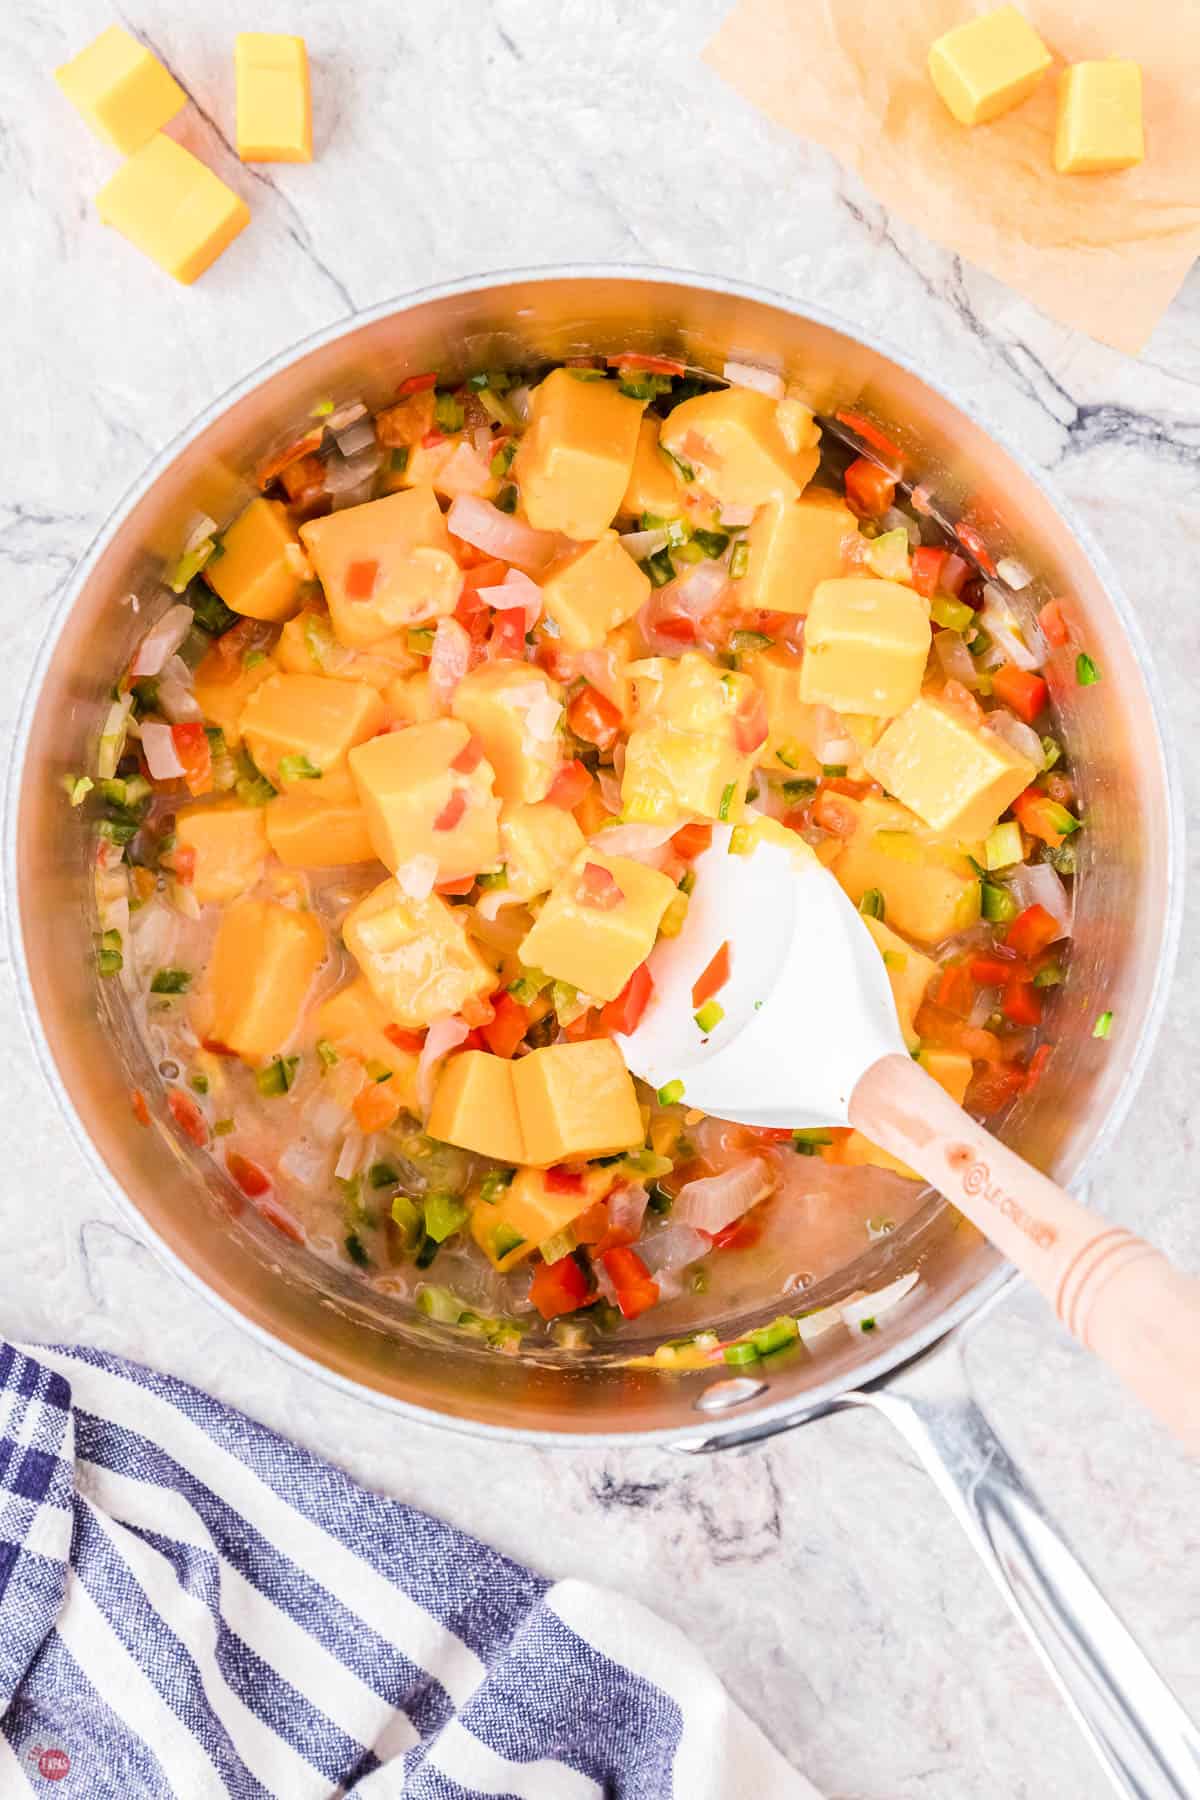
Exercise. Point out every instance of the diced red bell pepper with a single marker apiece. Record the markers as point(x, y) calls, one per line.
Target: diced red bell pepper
point(432, 439)
point(959, 696)
point(376, 1107)
point(1032, 931)
point(1056, 627)
point(1035, 1066)
point(507, 640)
point(995, 971)
point(691, 841)
point(869, 489)
point(469, 757)
point(187, 1116)
point(192, 749)
point(750, 724)
point(631, 1279)
point(282, 1220)
point(141, 1111)
point(584, 1025)
point(870, 433)
point(678, 628)
point(593, 717)
point(741, 1234)
point(508, 1027)
point(598, 888)
point(1021, 690)
point(183, 859)
point(655, 365)
point(569, 785)
point(973, 541)
point(955, 571)
point(1042, 817)
point(412, 1041)
point(927, 565)
point(462, 884)
point(360, 579)
point(994, 1087)
point(559, 1287)
point(561, 1180)
point(477, 1011)
point(489, 573)
point(956, 990)
point(249, 1176)
point(1022, 1003)
point(415, 384)
point(833, 812)
point(714, 977)
point(452, 812)
point(624, 1013)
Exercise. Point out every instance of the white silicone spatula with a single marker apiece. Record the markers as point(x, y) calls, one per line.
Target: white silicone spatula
point(809, 1037)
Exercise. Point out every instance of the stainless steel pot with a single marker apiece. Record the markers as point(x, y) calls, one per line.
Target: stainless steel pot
point(1126, 927)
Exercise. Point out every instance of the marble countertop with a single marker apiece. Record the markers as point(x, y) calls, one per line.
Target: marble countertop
point(821, 1575)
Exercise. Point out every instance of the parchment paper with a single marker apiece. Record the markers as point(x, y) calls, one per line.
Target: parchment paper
point(1104, 253)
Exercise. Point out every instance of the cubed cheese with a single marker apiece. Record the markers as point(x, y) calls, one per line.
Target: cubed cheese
point(1099, 117)
point(866, 643)
point(592, 590)
point(274, 106)
point(653, 486)
point(385, 565)
point(262, 567)
point(172, 208)
point(930, 890)
point(415, 954)
point(793, 545)
point(319, 824)
point(952, 1070)
point(956, 775)
point(909, 971)
point(531, 1211)
point(122, 91)
point(403, 425)
point(791, 722)
point(294, 724)
point(474, 1106)
point(223, 686)
point(538, 843)
point(684, 754)
point(419, 804)
point(576, 1100)
point(987, 65)
point(592, 937)
point(229, 843)
point(411, 700)
point(733, 443)
point(355, 1023)
point(514, 711)
point(307, 646)
point(575, 459)
point(262, 965)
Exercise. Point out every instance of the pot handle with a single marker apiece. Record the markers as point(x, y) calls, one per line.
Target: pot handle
point(1146, 1743)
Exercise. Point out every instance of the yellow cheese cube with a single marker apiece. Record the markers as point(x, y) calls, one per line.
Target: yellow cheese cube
point(530, 1212)
point(930, 890)
point(538, 844)
point(172, 208)
point(307, 646)
point(674, 774)
point(293, 720)
point(575, 459)
point(514, 711)
point(415, 954)
point(909, 972)
point(355, 1023)
point(595, 945)
point(592, 590)
point(957, 776)
point(417, 804)
point(866, 643)
point(230, 845)
point(733, 442)
point(316, 827)
point(653, 486)
point(793, 545)
point(411, 700)
point(952, 1070)
point(223, 687)
point(404, 425)
point(576, 1100)
point(274, 107)
point(790, 720)
point(474, 1106)
point(122, 91)
point(987, 65)
point(262, 568)
point(262, 965)
point(1099, 118)
point(384, 565)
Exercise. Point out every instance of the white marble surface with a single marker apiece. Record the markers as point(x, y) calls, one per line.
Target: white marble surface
point(822, 1574)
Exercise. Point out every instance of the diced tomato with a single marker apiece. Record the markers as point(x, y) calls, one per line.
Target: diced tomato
point(192, 749)
point(833, 812)
point(963, 701)
point(507, 640)
point(993, 1088)
point(469, 757)
point(741, 1234)
point(1021, 690)
point(691, 841)
point(461, 885)
point(593, 717)
point(559, 1287)
point(980, 1045)
point(376, 1107)
point(360, 579)
point(1056, 628)
point(282, 1220)
point(655, 365)
point(994, 971)
point(187, 1115)
point(489, 573)
point(714, 977)
point(1035, 1066)
point(598, 888)
point(1022, 1003)
point(303, 479)
point(141, 1111)
point(631, 1279)
point(870, 433)
point(1032, 931)
point(250, 1177)
point(1040, 816)
point(476, 1010)
point(452, 812)
point(233, 644)
point(432, 439)
point(972, 541)
point(215, 1047)
point(508, 1027)
point(569, 786)
point(750, 724)
point(955, 571)
point(472, 1041)
point(624, 1013)
point(183, 858)
point(412, 1041)
point(268, 470)
point(415, 384)
point(927, 565)
point(584, 1025)
point(561, 1180)
point(677, 628)
point(869, 489)
point(956, 990)
point(468, 556)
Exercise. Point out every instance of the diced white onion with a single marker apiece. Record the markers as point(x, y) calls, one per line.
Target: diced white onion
point(343, 474)
point(1012, 573)
point(515, 590)
point(541, 710)
point(957, 662)
point(1018, 636)
point(449, 659)
point(749, 375)
point(481, 439)
point(417, 876)
point(627, 1207)
point(1020, 737)
point(345, 416)
point(162, 758)
point(640, 842)
point(1038, 884)
point(203, 529)
point(698, 592)
point(480, 523)
point(161, 641)
point(177, 701)
point(737, 516)
point(715, 1201)
point(981, 1008)
point(355, 437)
point(519, 399)
point(873, 1306)
point(443, 1036)
point(830, 743)
point(641, 544)
point(350, 1155)
point(894, 520)
point(610, 789)
point(599, 668)
point(674, 1247)
point(814, 1325)
point(305, 1163)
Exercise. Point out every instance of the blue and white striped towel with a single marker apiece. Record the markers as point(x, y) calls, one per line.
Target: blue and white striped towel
point(193, 1607)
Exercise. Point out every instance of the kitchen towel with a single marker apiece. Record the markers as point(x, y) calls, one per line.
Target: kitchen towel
point(193, 1607)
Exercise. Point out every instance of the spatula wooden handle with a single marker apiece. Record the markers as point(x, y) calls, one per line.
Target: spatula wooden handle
point(1118, 1295)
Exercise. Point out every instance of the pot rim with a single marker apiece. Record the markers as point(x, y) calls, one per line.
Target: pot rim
point(710, 1426)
